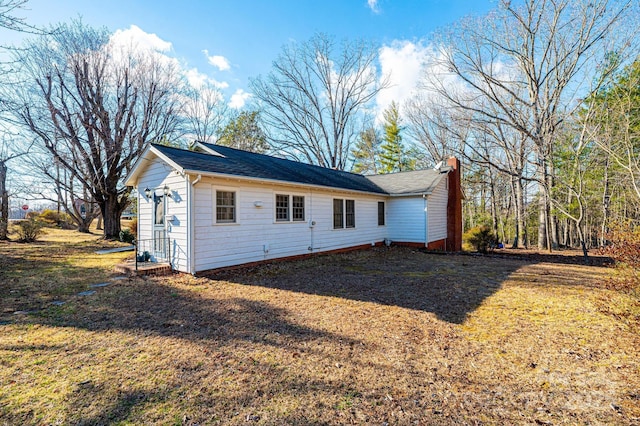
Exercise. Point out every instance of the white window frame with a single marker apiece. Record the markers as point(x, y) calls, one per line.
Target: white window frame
point(234, 206)
point(290, 208)
point(343, 202)
point(384, 213)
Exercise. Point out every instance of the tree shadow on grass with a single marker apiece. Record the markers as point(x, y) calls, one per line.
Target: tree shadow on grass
point(151, 307)
point(87, 408)
point(450, 286)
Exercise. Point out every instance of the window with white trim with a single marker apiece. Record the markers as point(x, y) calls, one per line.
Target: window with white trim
point(338, 213)
point(350, 213)
point(282, 208)
point(380, 213)
point(225, 207)
point(297, 203)
point(344, 213)
point(289, 208)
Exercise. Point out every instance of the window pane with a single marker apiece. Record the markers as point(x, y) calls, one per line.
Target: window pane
point(158, 216)
point(282, 208)
point(351, 213)
point(225, 207)
point(337, 214)
point(298, 208)
point(380, 213)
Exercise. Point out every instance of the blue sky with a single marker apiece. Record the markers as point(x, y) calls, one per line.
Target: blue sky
point(230, 41)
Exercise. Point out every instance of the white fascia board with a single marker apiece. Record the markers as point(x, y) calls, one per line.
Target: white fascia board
point(132, 177)
point(133, 174)
point(410, 194)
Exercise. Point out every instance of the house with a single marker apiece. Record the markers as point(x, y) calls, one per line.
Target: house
point(218, 206)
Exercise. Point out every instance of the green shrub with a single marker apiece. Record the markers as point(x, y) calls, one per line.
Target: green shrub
point(480, 238)
point(29, 230)
point(126, 236)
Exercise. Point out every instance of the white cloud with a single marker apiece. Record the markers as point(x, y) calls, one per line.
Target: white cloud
point(197, 80)
point(373, 5)
point(136, 37)
point(136, 43)
point(239, 99)
point(403, 62)
point(218, 61)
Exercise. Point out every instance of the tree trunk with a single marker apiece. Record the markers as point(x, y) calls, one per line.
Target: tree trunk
point(542, 220)
point(605, 205)
point(111, 211)
point(520, 239)
point(494, 207)
point(83, 226)
point(583, 244)
point(4, 202)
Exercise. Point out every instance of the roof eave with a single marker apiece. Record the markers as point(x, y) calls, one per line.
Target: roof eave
point(410, 194)
point(134, 174)
point(281, 182)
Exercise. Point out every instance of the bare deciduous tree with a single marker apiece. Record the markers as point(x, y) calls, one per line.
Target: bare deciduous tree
point(313, 98)
point(527, 61)
point(94, 105)
point(8, 151)
point(205, 112)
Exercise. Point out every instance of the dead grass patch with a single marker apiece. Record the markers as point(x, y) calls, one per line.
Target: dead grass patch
point(391, 336)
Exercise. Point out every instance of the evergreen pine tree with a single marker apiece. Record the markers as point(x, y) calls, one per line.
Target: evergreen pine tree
point(391, 156)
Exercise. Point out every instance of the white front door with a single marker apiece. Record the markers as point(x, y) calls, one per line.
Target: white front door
point(159, 229)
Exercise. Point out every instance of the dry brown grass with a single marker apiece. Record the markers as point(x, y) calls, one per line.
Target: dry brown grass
point(391, 336)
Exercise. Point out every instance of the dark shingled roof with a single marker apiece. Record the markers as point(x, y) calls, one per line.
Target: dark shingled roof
point(414, 182)
point(236, 162)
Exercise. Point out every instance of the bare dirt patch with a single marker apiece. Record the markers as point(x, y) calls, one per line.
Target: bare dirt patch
point(393, 336)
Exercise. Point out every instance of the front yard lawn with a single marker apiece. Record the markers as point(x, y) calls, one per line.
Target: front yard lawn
point(382, 336)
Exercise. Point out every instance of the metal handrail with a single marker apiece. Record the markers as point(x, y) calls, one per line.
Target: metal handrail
point(152, 250)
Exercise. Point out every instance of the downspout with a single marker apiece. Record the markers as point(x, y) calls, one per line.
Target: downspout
point(192, 226)
point(426, 220)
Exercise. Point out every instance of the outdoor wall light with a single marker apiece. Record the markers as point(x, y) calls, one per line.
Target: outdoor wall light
point(257, 203)
point(167, 191)
point(147, 192)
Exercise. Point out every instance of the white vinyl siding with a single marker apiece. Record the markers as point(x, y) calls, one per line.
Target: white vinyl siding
point(257, 237)
point(438, 211)
point(406, 219)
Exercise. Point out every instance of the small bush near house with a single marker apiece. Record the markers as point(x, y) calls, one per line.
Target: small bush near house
point(126, 236)
point(480, 238)
point(29, 230)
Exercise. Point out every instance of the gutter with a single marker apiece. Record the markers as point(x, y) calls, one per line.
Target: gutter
point(426, 220)
point(191, 249)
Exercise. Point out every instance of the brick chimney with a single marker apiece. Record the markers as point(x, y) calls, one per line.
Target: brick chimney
point(454, 207)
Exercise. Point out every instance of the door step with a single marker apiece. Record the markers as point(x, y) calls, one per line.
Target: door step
point(144, 268)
